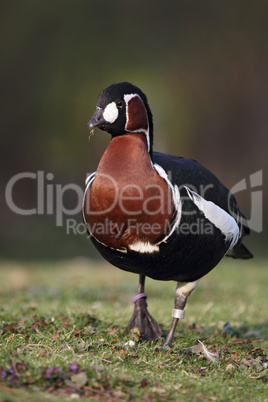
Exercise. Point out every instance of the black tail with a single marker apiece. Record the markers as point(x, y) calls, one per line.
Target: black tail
point(240, 251)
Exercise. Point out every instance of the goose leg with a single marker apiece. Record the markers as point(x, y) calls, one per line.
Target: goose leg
point(141, 319)
point(183, 291)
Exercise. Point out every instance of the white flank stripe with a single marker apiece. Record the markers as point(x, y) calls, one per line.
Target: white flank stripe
point(176, 199)
point(216, 215)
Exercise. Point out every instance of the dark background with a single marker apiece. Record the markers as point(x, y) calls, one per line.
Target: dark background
point(202, 64)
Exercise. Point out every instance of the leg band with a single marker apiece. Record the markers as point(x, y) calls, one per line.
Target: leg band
point(177, 313)
point(139, 296)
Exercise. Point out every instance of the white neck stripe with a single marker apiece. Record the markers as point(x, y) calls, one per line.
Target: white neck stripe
point(127, 98)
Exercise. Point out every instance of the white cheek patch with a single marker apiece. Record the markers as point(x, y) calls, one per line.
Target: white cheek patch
point(110, 113)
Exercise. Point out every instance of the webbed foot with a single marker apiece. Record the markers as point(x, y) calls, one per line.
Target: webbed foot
point(148, 328)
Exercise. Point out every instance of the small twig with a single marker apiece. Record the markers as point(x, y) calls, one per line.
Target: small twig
point(38, 344)
point(91, 133)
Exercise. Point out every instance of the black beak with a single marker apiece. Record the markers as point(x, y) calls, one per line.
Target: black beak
point(97, 119)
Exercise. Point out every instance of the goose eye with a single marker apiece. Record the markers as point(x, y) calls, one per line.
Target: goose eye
point(120, 104)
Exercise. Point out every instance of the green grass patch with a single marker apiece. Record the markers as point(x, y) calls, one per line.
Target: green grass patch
point(62, 335)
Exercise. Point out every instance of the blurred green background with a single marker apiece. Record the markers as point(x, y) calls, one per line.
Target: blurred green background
point(202, 64)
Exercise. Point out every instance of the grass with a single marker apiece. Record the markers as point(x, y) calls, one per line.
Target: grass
point(62, 338)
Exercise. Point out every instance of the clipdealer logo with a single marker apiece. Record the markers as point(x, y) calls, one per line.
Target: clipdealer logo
point(50, 197)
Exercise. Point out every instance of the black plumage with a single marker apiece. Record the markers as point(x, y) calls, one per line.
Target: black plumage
point(205, 225)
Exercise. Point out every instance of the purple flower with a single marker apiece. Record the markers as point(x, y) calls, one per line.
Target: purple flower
point(73, 367)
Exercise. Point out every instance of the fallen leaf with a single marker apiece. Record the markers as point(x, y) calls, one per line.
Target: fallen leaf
point(79, 379)
point(123, 353)
point(135, 330)
point(195, 349)
point(112, 331)
point(56, 336)
point(145, 382)
point(230, 367)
